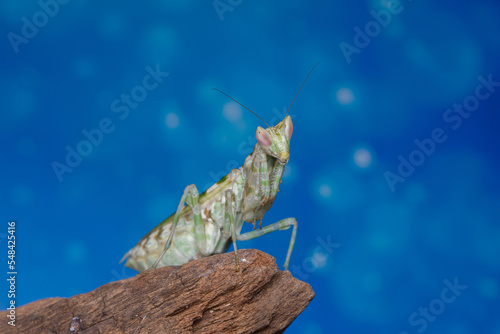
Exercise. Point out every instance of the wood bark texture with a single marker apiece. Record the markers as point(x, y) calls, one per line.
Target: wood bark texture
point(202, 296)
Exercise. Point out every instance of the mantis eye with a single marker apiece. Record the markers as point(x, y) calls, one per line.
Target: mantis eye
point(263, 137)
point(288, 127)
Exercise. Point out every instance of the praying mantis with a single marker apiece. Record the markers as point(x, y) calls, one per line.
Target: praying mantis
point(211, 221)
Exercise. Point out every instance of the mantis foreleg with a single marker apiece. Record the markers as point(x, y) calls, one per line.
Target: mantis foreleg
point(281, 225)
point(262, 171)
point(230, 222)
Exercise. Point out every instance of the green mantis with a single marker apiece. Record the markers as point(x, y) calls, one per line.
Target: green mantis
point(211, 221)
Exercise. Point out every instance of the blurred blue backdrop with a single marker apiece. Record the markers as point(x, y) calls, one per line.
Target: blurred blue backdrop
point(393, 175)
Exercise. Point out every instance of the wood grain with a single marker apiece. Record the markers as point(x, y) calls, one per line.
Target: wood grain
point(202, 296)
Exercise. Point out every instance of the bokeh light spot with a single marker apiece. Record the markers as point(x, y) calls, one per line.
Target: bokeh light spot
point(172, 120)
point(345, 96)
point(362, 158)
point(325, 190)
point(319, 259)
point(232, 111)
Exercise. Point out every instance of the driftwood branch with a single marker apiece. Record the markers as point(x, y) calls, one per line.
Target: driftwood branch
point(202, 296)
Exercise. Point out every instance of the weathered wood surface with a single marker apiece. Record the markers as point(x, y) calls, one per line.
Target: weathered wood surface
point(202, 296)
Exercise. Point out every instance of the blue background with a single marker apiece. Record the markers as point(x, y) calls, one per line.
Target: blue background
point(393, 248)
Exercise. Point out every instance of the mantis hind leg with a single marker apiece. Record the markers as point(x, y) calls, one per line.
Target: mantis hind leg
point(190, 197)
point(284, 224)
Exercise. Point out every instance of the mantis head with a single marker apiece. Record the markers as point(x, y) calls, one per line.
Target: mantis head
point(275, 140)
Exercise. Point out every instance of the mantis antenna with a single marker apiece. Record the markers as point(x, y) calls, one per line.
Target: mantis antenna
point(241, 105)
point(301, 88)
